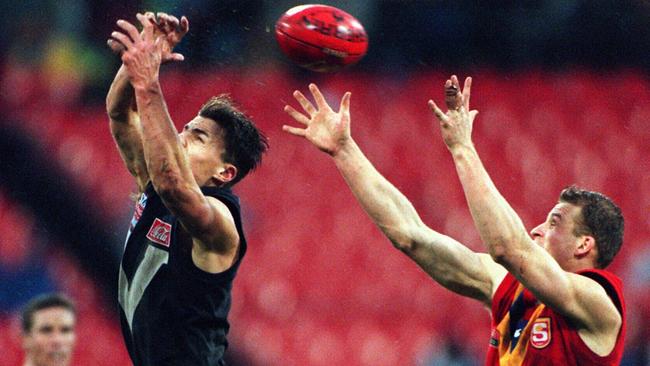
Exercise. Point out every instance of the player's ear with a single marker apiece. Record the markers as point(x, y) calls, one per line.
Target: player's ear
point(586, 244)
point(225, 173)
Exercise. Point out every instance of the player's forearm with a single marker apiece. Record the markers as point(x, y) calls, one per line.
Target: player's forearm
point(498, 224)
point(386, 206)
point(120, 101)
point(165, 159)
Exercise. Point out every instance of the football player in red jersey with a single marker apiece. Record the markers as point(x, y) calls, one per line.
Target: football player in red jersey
point(552, 303)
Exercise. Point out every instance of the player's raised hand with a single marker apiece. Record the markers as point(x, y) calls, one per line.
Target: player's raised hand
point(143, 51)
point(327, 130)
point(173, 31)
point(169, 27)
point(456, 124)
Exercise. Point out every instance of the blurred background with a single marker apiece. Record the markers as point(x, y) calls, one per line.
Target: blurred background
point(563, 91)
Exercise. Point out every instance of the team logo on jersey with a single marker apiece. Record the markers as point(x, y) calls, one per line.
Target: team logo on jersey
point(160, 232)
point(540, 335)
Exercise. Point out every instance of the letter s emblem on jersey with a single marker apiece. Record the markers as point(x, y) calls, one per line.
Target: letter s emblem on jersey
point(540, 335)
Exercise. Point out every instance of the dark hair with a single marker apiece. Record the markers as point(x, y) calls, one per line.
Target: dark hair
point(244, 143)
point(44, 302)
point(601, 218)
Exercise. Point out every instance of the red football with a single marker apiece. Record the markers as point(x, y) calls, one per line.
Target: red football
point(320, 37)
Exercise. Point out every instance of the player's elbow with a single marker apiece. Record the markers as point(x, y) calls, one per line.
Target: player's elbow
point(402, 237)
point(112, 109)
point(499, 253)
point(168, 185)
point(503, 249)
point(227, 244)
point(403, 243)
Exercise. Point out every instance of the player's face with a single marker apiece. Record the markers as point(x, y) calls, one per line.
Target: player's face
point(51, 339)
point(202, 140)
point(556, 234)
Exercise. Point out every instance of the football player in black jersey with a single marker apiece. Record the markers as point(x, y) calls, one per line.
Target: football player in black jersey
point(185, 242)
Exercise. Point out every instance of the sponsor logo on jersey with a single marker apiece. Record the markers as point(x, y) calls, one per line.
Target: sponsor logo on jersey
point(160, 232)
point(139, 208)
point(540, 335)
point(495, 336)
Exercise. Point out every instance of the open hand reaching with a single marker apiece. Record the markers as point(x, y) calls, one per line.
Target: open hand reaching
point(327, 130)
point(456, 124)
point(169, 27)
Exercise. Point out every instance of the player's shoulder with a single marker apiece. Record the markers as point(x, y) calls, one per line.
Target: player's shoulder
point(219, 204)
point(609, 282)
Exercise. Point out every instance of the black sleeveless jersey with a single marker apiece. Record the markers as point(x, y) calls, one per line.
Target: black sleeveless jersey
point(172, 312)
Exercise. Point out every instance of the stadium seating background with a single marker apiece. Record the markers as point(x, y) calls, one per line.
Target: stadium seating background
point(320, 284)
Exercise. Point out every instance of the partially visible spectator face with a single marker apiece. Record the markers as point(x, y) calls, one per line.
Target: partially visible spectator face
point(51, 339)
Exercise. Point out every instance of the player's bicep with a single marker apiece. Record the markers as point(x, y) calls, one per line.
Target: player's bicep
point(128, 138)
point(589, 304)
point(456, 267)
point(575, 296)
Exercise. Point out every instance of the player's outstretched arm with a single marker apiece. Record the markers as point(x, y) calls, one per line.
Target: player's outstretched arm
point(125, 127)
point(444, 259)
point(206, 219)
point(120, 101)
point(577, 297)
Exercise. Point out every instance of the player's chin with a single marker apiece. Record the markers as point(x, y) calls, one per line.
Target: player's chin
point(58, 358)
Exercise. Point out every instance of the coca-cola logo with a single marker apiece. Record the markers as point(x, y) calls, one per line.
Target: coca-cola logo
point(160, 232)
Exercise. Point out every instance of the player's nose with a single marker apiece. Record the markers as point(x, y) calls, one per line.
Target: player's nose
point(537, 232)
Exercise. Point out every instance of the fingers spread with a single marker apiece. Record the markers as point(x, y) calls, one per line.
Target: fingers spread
point(318, 97)
point(345, 103)
point(123, 39)
point(185, 25)
point(147, 26)
point(454, 81)
point(472, 115)
point(294, 130)
point(439, 114)
point(115, 46)
point(304, 102)
point(299, 117)
point(177, 57)
point(467, 91)
point(453, 98)
point(130, 30)
point(174, 21)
